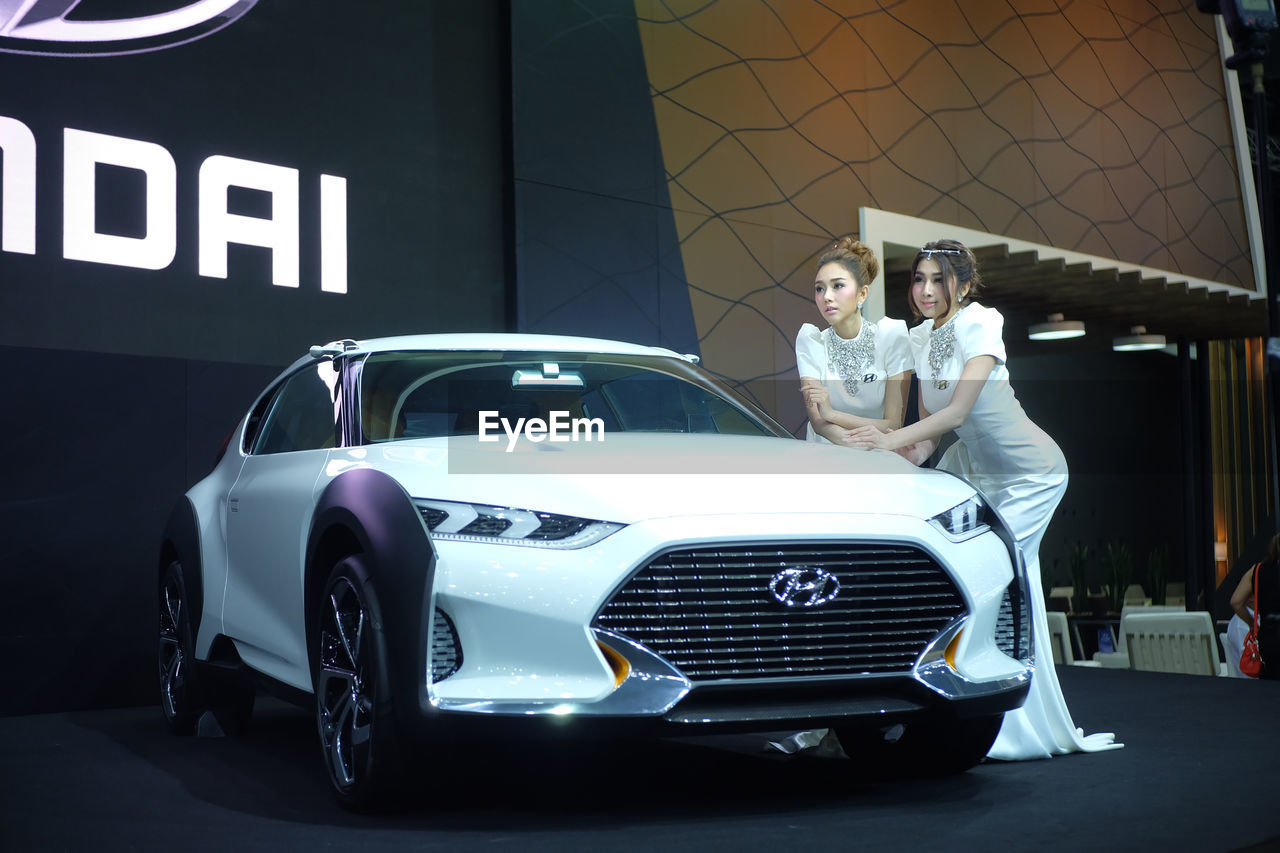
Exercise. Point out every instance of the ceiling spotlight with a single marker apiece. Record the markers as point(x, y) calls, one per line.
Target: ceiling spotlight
point(1056, 329)
point(1137, 340)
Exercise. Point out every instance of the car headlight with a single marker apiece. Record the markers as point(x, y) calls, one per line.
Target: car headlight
point(964, 520)
point(468, 522)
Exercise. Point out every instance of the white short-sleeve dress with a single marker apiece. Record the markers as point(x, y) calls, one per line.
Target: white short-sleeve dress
point(854, 371)
point(1024, 474)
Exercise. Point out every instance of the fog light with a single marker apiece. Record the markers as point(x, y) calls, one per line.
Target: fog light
point(621, 666)
point(950, 654)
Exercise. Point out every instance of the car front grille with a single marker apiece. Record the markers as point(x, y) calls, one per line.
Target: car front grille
point(710, 613)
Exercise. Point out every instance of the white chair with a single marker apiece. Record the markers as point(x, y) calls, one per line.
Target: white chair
point(1135, 594)
point(1149, 608)
point(1169, 641)
point(1059, 639)
point(1060, 594)
point(1118, 659)
point(1112, 660)
point(1175, 593)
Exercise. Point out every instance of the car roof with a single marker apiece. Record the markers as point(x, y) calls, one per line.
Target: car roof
point(501, 341)
point(490, 341)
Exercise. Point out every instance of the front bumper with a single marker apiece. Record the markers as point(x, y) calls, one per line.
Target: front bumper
point(524, 625)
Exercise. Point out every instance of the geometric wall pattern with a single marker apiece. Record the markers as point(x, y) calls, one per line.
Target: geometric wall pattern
point(1100, 127)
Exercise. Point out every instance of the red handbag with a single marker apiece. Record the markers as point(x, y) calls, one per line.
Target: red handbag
point(1251, 658)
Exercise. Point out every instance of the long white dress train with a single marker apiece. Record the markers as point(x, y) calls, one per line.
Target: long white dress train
point(1024, 474)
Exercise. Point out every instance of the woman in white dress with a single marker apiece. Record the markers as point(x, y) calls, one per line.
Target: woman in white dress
point(852, 373)
point(959, 359)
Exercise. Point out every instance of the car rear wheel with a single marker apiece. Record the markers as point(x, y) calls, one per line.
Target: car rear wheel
point(187, 690)
point(354, 712)
point(921, 748)
point(178, 696)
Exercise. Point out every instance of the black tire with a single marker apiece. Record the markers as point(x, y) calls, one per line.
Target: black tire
point(926, 747)
point(187, 689)
point(354, 713)
point(179, 696)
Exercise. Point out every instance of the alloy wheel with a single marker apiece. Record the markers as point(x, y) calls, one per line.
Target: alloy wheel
point(172, 658)
point(344, 691)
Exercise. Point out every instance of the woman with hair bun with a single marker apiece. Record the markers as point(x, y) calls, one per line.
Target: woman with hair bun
point(854, 372)
point(959, 359)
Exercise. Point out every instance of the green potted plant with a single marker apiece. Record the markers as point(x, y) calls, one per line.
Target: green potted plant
point(1117, 572)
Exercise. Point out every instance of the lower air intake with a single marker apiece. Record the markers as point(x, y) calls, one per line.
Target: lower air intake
point(446, 651)
point(1013, 635)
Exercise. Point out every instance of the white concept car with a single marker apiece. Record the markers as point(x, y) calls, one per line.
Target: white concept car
point(423, 534)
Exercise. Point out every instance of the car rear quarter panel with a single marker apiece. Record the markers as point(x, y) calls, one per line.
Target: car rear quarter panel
point(208, 502)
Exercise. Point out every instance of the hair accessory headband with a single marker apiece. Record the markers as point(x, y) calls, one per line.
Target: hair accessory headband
point(941, 252)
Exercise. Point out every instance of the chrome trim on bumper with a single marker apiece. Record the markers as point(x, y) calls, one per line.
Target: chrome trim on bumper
point(933, 671)
point(651, 688)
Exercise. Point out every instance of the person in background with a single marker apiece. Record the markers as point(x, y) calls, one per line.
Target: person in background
point(1233, 646)
point(964, 385)
point(1266, 609)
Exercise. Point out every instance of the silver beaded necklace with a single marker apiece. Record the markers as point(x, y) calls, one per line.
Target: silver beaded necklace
point(850, 358)
point(942, 344)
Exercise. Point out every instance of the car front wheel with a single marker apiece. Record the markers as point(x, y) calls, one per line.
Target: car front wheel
point(353, 708)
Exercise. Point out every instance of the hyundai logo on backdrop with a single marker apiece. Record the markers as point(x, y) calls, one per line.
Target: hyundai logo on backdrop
point(804, 586)
point(46, 28)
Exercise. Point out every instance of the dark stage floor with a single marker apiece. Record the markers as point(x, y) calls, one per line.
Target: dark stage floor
point(1198, 773)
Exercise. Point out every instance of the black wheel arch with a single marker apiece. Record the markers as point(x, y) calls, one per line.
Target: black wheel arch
point(364, 511)
point(181, 542)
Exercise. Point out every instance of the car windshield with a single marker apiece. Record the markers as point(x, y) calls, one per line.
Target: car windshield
point(425, 394)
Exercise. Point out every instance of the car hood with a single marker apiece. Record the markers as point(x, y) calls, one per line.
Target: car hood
point(629, 477)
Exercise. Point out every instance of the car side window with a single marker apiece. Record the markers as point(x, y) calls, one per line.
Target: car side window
point(304, 413)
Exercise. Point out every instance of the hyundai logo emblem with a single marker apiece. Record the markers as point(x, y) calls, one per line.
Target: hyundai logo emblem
point(44, 28)
point(804, 586)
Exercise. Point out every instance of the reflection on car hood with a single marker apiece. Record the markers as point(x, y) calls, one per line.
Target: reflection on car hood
point(628, 477)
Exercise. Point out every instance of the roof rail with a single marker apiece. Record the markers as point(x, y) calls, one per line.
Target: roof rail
point(334, 348)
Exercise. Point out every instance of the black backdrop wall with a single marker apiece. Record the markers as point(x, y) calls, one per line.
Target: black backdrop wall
point(598, 252)
point(121, 381)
